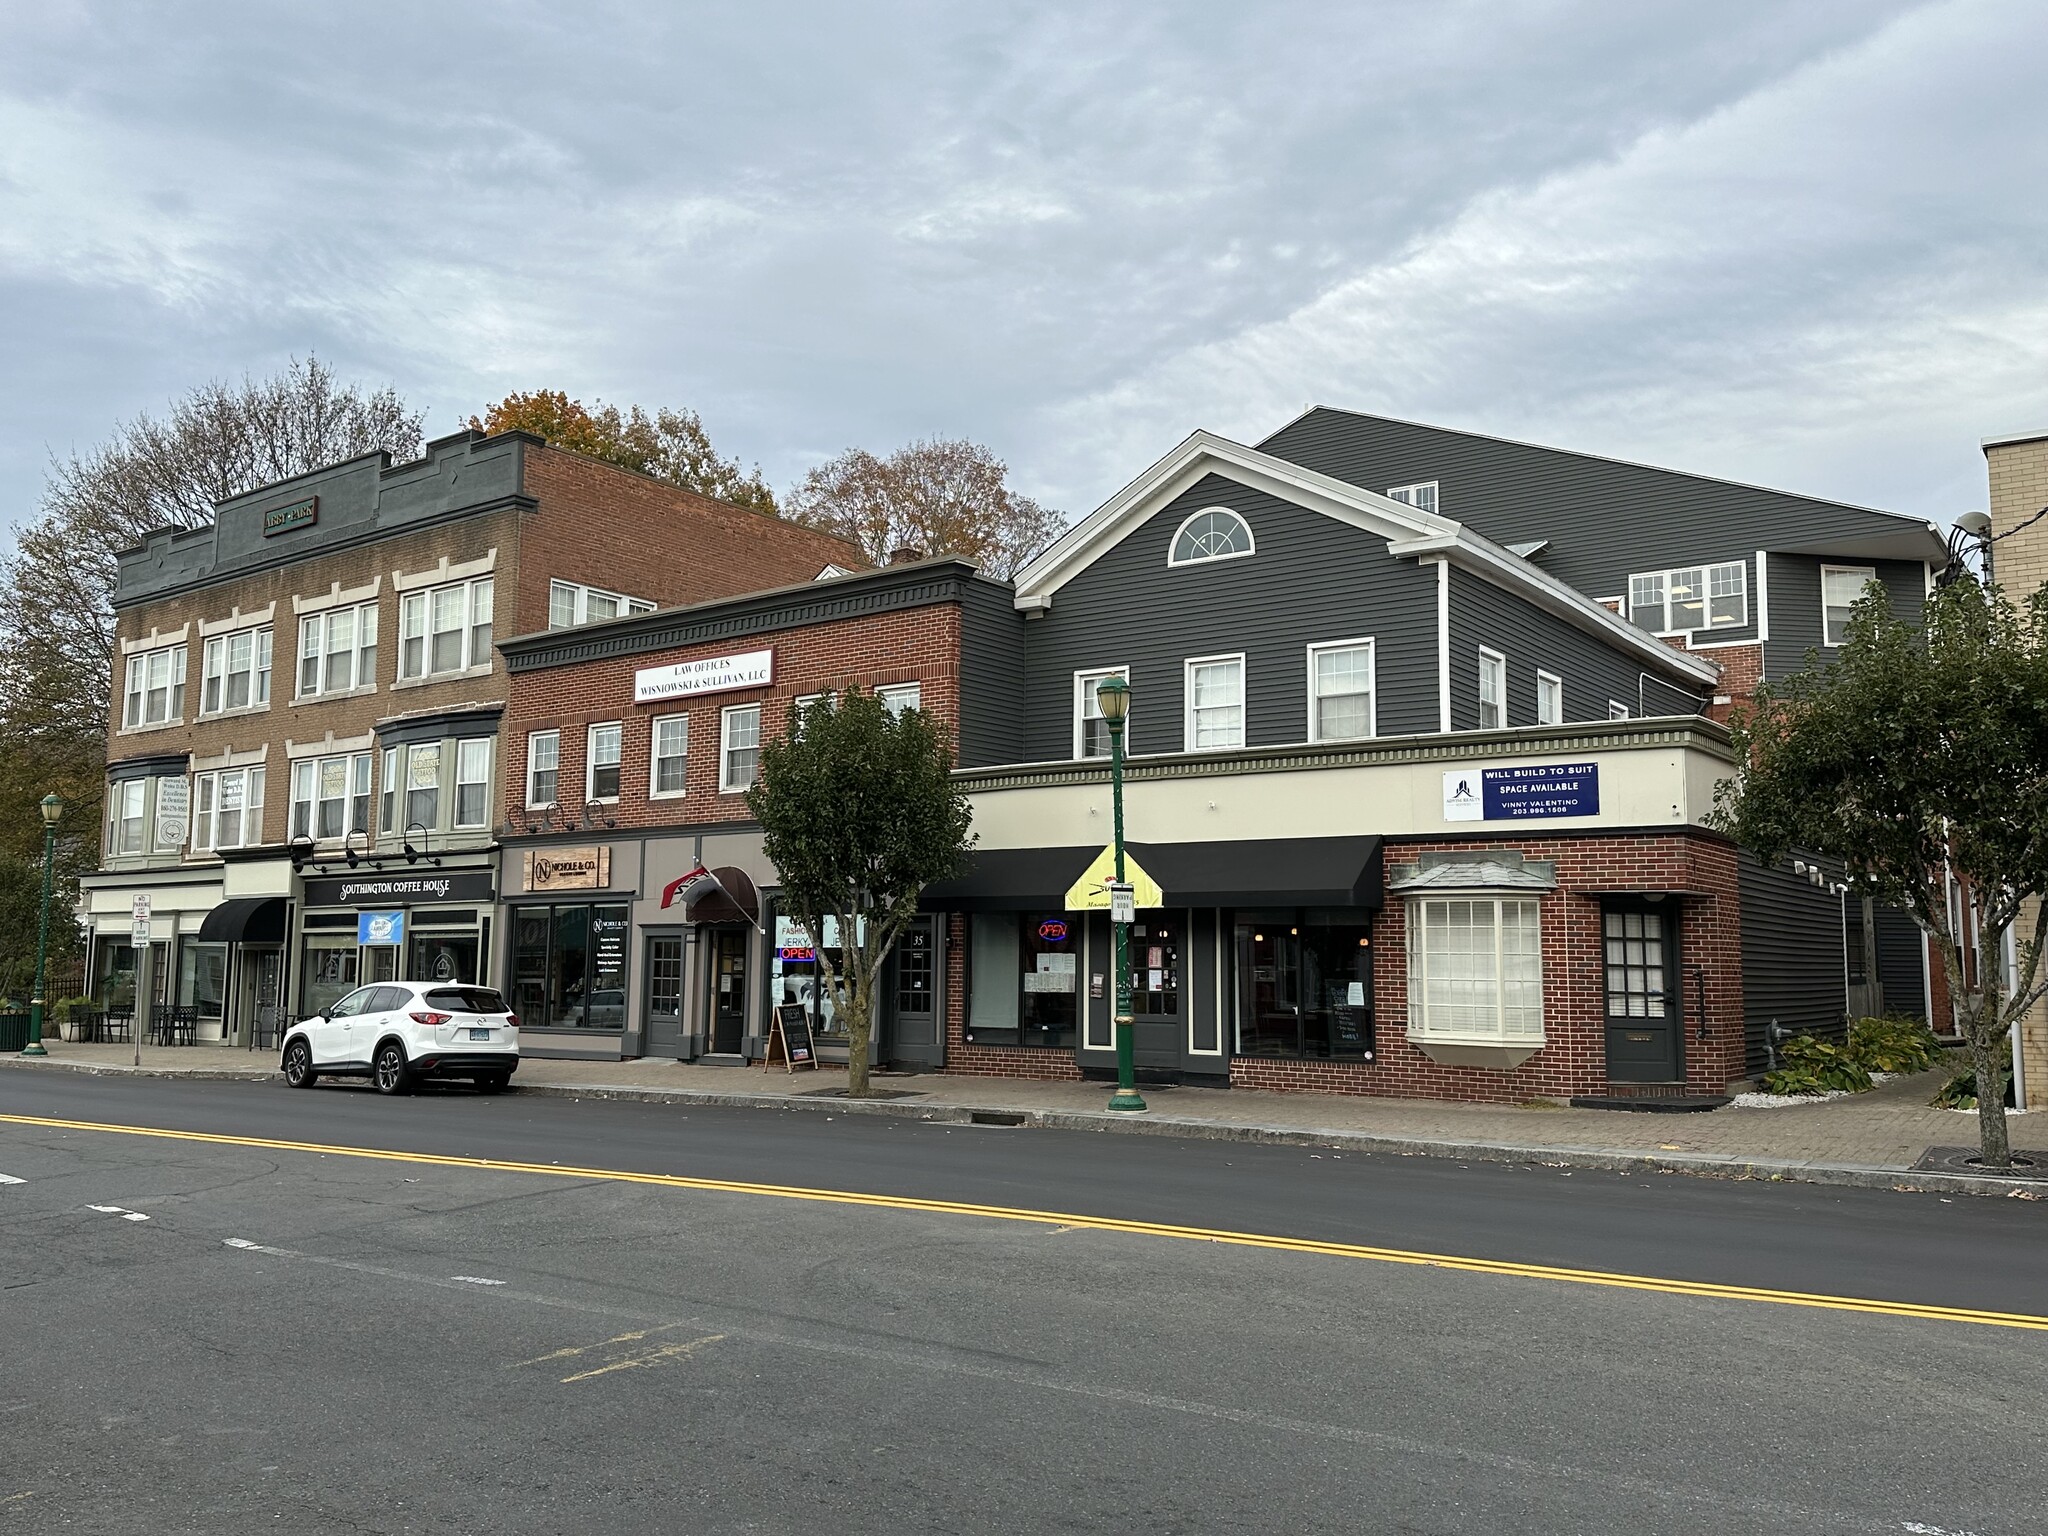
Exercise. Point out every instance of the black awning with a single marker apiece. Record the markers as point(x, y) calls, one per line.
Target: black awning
point(245, 920)
point(1269, 872)
point(1009, 880)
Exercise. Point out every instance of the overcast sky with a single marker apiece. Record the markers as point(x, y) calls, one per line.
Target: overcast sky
point(1795, 242)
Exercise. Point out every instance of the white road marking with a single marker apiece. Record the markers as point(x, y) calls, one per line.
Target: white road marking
point(116, 1210)
point(1931, 1530)
point(8, 1178)
point(475, 1280)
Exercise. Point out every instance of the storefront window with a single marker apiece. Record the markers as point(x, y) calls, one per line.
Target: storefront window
point(1024, 979)
point(327, 970)
point(1305, 985)
point(569, 966)
point(444, 957)
point(794, 975)
point(202, 978)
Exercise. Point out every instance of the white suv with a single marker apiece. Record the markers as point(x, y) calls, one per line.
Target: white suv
point(397, 1032)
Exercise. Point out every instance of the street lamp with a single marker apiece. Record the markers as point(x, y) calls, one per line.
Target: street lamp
point(53, 812)
point(1113, 696)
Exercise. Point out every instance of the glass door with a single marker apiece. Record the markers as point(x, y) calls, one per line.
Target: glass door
point(665, 995)
point(1644, 1032)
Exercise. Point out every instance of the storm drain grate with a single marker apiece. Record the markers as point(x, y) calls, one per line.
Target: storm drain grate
point(2030, 1164)
point(994, 1117)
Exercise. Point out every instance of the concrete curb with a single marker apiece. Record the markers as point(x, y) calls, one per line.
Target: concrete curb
point(1720, 1165)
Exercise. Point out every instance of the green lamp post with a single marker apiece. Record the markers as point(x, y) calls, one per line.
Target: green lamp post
point(53, 812)
point(1113, 695)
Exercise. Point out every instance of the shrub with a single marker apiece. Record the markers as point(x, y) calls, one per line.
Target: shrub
point(1893, 1045)
point(1807, 1065)
point(1960, 1091)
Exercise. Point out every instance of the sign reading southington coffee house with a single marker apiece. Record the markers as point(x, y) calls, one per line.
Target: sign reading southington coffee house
point(713, 674)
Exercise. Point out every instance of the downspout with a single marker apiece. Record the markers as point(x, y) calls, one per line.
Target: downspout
point(1443, 645)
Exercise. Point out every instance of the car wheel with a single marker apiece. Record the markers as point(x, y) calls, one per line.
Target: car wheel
point(493, 1082)
point(392, 1073)
point(298, 1065)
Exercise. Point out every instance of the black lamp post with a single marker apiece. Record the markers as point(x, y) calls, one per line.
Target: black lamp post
point(53, 812)
point(1113, 696)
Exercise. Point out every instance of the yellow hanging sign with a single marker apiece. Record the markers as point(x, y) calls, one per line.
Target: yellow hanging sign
point(1090, 893)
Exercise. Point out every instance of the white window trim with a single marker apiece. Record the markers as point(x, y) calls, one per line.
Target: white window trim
point(455, 789)
point(655, 760)
point(590, 794)
point(884, 690)
point(582, 593)
point(446, 573)
point(1372, 674)
point(1432, 486)
point(348, 794)
point(1084, 685)
point(1488, 653)
point(1187, 701)
point(725, 718)
point(174, 692)
point(532, 739)
point(1240, 554)
point(1418, 996)
point(1616, 710)
point(367, 638)
point(257, 669)
point(1706, 568)
point(1556, 682)
point(205, 825)
point(1867, 572)
point(471, 666)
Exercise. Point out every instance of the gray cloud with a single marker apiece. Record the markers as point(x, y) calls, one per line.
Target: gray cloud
point(1786, 241)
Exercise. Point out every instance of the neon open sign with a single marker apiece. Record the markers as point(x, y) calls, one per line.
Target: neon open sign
point(1053, 930)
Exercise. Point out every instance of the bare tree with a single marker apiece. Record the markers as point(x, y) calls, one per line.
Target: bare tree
point(937, 496)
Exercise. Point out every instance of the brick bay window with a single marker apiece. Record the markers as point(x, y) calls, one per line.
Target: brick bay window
point(1475, 957)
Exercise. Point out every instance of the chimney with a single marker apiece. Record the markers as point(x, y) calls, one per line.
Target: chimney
point(905, 554)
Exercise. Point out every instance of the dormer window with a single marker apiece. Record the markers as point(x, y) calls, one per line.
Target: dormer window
point(1421, 495)
point(1214, 533)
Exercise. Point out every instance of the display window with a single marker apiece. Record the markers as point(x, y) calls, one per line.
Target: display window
point(569, 966)
point(1304, 985)
point(1024, 979)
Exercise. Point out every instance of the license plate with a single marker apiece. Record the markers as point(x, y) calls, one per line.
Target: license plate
point(479, 1034)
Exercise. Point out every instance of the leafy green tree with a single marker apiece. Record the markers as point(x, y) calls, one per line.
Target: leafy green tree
point(860, 813)
point(1921, 751)
point(669, 445)
point(938, 497)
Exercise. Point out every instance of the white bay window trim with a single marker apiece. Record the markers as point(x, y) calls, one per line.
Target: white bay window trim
point(473, 783)
point(1475, 969)
point(227, 809)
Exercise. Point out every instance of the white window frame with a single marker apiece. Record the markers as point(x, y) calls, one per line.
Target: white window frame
point(898, 697)
point(1372, 687)
point(579, 595)
point(726, 783)
point(216, 672)
point(209, 793)
point(408, 789)
point(1549, 698)
point(1190, 731)
point(118, 818)
point(534, 741)
point(1706, 574)
point(1411, 495)
point(468, 749)
point(1085, 684)
point(138, 686)
point(656, 757)
point(1866, 574)
point(315, 634)
point(307, 772)
point(1422, 986)
point(1494, 664)
point(1616, 710)
point(387, 791)
point(590, 763)
point(1173, 545)
point(416, 625)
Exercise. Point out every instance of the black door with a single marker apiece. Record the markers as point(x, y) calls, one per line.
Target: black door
point(914, 1037)
point(1158, 1028)
point(1645, 1032)
point(665, 995)
point(728, 990)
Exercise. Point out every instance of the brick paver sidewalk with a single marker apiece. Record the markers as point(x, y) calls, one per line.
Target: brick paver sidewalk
point(1889, 1128)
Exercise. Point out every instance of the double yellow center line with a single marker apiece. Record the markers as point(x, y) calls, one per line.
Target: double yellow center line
point(1071, 1220)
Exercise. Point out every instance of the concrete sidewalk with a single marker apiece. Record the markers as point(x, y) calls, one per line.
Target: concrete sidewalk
point(1870, 1139)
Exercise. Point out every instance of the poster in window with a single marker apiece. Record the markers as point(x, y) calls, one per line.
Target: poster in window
point(173, 813)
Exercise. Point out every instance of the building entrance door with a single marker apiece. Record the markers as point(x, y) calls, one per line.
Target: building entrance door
point(259, 973)
point(1645, 1031)
point(914, 1035)
point(665, 995)
point(728, 989)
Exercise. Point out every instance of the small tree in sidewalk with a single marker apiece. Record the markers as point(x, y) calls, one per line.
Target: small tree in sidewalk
point(1921, 754)
point(859, 813)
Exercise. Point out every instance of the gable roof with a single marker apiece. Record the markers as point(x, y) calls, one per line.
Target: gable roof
point(1409, 531)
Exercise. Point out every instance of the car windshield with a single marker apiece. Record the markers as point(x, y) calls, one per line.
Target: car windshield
point(466, 1000)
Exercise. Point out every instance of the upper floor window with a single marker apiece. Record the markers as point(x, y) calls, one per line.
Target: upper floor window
point(543, 767)
point(473, 782)
point(1091, 731)
point(1340, 691)
point(445, 629)
point(739, 750)
point(1549, 699)
point(128, 816)
point(1696, 597)
point(338, 650)
point(1840, 588)
point(1493, 690)
point(227, 809)
point(1215, 695)
point(331, 796)
point(668, 775)
point(155, 693)
point(601, 770)
point(571, 603)
point(1616, 710)
point(236, 672)
point(1421, 495)
point(898, 697)
point(423, 784)
point(1214, 533)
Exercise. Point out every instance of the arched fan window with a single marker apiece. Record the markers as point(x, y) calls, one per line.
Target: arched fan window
point(1214, 533)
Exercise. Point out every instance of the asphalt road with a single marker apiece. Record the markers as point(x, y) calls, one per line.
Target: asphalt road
point(295, 1341)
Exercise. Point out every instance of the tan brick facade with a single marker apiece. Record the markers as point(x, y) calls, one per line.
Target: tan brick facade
point(2018, 472)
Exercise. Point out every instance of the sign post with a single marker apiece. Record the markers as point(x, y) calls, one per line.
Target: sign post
point(145, 973)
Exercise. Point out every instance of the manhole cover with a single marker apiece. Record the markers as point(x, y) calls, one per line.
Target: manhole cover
point(1968, 1160)
point(873, 1093)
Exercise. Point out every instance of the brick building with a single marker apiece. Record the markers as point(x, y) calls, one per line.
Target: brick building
point(307, 698)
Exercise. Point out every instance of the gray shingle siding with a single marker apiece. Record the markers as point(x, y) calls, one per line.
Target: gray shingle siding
point(1791, 955)
point(1902, 963)
point(991, 675)
point(1592, 670)
point(1312, 579)
point(1796, 606)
